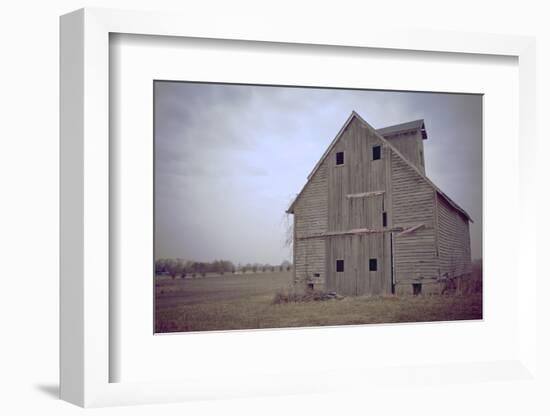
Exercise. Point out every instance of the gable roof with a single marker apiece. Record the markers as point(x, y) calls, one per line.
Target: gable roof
point(403, 127)
point(354, 115)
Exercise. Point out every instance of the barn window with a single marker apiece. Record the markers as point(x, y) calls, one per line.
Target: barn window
point(417, 288)
point(376, 153)
point(339, 265)
point(373, 265)
point(384, 219)
point(339, 158)
point(316, 274)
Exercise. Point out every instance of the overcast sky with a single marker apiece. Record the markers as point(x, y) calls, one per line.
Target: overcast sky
point(229, 159)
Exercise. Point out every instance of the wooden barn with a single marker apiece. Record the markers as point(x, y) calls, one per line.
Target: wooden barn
point(368, 221)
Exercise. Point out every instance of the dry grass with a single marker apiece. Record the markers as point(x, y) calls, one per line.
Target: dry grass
point(259, 301)
point(295, 296)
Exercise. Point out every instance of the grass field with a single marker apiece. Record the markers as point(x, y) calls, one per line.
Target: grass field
point(246, 302)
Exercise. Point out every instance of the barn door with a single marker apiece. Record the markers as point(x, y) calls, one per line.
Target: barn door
point(371, 262)
point(341, 268)
point(357, 263)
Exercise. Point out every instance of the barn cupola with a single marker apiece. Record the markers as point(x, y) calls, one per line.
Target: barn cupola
point(408, 139)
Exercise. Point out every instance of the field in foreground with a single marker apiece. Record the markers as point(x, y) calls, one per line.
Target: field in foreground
point(245, 302)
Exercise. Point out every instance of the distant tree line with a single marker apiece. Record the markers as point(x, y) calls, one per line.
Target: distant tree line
point(184, 268)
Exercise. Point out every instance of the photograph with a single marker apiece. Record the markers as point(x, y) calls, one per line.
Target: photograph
point(293, 207)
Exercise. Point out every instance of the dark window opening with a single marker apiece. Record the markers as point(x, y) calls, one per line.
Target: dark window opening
point(339, 158)
point(310, 286)
point(373, 265)
point(339, 265)
point(417, 288)
point(384, 219)
point(316, 274)
point(376, 152)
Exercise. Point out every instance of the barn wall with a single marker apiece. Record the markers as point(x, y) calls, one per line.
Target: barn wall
point(359, 175)
point(413, 203)
point(411, 146)
point(310, 219)
point(453, 240)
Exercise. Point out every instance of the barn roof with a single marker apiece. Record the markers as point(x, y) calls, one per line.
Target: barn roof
point(392, 129)
point(403, 127)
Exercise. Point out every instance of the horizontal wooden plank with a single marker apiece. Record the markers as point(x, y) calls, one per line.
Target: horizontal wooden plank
point(410, 230)
point(365, 194)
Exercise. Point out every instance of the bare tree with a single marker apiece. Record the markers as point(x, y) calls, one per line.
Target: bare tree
point(289, 231)
point(286, 265)
point(174, 267)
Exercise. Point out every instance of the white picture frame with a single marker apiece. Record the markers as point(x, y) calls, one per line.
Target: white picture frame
point(85, 220)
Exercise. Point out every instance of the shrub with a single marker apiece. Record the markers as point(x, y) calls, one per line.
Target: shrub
point(294, 296)
point(471, 285)
point(449, 286)
point(463, 285)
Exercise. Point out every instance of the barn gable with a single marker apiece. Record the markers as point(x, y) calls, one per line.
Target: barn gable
point(333, 201)
point(355, 116)
point(358, 202)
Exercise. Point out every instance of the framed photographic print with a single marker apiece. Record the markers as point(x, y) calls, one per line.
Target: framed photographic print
point(236, 249)
point(277, 205)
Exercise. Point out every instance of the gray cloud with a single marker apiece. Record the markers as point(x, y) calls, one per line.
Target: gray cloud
point(229, 159)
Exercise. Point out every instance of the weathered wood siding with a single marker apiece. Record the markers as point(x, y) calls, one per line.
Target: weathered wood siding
point(411, 147)
point(356, 251)
point(310, 219)
point(413, 198)
point(453, 240)
point(359, 174)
